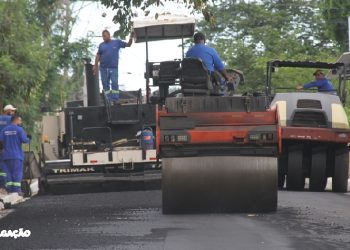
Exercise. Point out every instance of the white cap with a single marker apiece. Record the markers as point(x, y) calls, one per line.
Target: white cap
point(9, 107)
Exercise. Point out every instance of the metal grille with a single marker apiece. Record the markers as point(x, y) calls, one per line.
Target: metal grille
point(309, 104)
point(309, 119)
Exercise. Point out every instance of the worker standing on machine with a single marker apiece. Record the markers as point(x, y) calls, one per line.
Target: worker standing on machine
point(12, 137)
point(209, 56)
point(108, 56)
point(5, 120)
point(321, 82)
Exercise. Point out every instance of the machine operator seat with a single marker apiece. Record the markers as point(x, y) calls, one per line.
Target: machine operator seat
point(168, 75)
point(195, 78)
point(168, 72)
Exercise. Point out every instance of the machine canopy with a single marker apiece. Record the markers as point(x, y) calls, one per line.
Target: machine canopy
point(164, 27)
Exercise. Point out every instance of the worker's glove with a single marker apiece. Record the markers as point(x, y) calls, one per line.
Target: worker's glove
point(29, 136)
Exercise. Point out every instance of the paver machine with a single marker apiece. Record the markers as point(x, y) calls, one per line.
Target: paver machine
point(94, 140)
point(99, 142)
point(313, 128)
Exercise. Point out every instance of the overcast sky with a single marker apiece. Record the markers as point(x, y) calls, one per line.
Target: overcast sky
point(132, 60)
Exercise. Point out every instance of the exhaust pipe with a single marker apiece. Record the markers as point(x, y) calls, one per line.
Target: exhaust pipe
point(92, 85)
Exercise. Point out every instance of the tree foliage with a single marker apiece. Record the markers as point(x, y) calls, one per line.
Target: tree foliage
point(22, 56)
point(39, 66)
point(248, 34)
point(336, 13)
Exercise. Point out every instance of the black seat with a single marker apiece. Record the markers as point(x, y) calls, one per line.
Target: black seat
point(168, 72)
point(195, 78)
point(165, 74)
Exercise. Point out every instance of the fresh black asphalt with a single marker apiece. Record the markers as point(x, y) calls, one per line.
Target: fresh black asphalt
point(133, 220)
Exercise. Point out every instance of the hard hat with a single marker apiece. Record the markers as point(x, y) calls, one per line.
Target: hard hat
point(9, 107)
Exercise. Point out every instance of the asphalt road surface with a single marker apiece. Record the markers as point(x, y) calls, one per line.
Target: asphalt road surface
point(133, 220)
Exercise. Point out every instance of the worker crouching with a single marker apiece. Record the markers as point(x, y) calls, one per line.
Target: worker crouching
point(12, 137)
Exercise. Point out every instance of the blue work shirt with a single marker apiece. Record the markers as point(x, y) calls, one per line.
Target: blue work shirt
point(323, 85)
point(12, 137)
point(208, 55)
point(4, 121)
point(109, 53)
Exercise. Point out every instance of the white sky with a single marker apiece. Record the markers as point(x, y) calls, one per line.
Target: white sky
point(131, 60)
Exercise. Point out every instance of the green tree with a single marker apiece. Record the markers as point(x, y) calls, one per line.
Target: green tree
point(65, 68)
point(336, 13)
point(39, 66)
point(22, 57)
point(248, 34)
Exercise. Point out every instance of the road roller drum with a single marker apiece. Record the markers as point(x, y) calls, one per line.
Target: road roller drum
point(219, 184)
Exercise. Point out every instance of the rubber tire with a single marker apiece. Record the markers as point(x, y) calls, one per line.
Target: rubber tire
point(282, 165)
point(318, 176)
point(42, 187)
point(27, 192)
point(295, 177)
point(341, 170)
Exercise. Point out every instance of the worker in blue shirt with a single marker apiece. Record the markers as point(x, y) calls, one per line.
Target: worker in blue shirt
point(108, 57)
point(321, 82)
point(5, 120)
point(208, 55)
point(12, 137)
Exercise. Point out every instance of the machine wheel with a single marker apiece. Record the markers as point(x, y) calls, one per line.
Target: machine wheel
point(341, 170)
point(282, 166)
point(25, 186)
point(42, 187)
point(295, 176)
point(318, 176)
point(219, 184)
